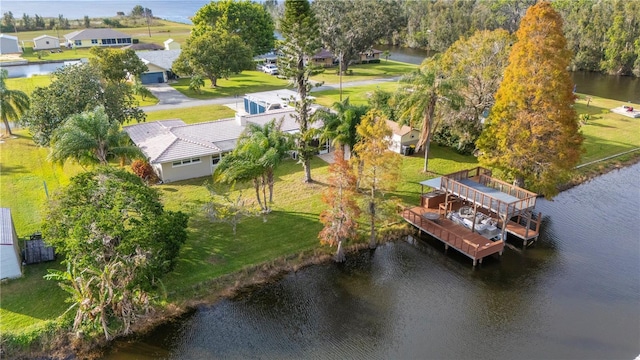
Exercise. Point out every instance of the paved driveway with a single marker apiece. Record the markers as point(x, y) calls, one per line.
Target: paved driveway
point(167, 95)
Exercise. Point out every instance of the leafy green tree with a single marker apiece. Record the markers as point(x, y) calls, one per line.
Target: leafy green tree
point(51, 106)
point(27, 22)
point(196, 83)
point(90, 138)
point(340, 220)
point(137, 11)
point(380, 166)
point(299, 28)
point(479, 62)
point(532, 130)
point(215, 54)
point(87, 22)
point(117, 240)
point(8, 22)
point(340, 125)
point(247, 19)
point(139, 89)
point(13, 103)
point(349, 27)
point(620, 52)
point(117, 65)
point(420, 94)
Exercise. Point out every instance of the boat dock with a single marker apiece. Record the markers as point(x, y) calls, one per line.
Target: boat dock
point(473, 213)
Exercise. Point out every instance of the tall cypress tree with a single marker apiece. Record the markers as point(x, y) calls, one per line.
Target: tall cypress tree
point(299, 28)
point(532, 130)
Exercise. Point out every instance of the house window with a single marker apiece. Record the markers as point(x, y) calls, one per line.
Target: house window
point(78, 42)
point(47, 42)
point(94, 41)
point(215, 159)
point(186, 162)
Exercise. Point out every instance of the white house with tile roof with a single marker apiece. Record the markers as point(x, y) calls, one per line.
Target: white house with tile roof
point(97, 37)
point(178, 151)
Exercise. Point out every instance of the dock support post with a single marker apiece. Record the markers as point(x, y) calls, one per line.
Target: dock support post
point(475, 262)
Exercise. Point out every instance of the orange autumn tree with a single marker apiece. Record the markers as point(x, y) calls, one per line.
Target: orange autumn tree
point(340, 219)
point(532, 131)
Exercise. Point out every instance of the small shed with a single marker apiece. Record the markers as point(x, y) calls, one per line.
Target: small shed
point(171, 45)
point(9, 44)
point(403, 138)
point(10, 261)
point(46, 42)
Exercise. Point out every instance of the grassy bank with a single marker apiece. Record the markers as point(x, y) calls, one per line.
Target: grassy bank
point(248, 81)
point(359, 72)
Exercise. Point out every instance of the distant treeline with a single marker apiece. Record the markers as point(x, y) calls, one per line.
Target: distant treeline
point(604, 35)
point(27, 23)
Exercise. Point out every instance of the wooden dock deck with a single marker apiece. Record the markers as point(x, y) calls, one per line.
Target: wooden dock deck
point(471, 244)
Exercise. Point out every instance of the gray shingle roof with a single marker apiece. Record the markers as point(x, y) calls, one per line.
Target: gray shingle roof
point(88, 34)
point(6, 227)
point(160, 58)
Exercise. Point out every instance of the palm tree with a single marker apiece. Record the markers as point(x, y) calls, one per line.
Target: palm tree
point(89, 138)
point(340, 125)
point(259, 150)
point(13, 103)
point(424, 89)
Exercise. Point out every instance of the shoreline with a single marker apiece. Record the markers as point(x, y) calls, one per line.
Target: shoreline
point(66, 345)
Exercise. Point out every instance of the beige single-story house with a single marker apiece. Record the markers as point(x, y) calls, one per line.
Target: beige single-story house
point(403, 138)
point(10, 259)
point(159, 64)
point(323, 58)
point(46, 42)
point(178, 151)
point(97, 37)
point(9, 44)
point(370, 56)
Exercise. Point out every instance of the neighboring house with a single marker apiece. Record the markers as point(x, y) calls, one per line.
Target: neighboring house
point(9, 44)
point(403, 139)
point(159, 64)
point(178, 151)
point(370, 56)
point(323, 58)
point(10, 260)
point(97, 37)
point(46, 42)
point(171, 45)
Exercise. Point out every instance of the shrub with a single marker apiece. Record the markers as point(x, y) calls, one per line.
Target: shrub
point(144, 171)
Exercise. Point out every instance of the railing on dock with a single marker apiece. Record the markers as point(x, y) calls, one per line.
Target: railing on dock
point(474, 251)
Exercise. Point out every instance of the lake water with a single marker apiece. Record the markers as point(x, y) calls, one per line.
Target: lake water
point(622, 88)
point(179, 11)
point(574, 295)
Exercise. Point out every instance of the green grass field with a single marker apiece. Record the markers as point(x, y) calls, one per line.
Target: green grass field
point(359, 72)
point(358, 95)
point(606, 133)
point(193, 114)
point(248, 81)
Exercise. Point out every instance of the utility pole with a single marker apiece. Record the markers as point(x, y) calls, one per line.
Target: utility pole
point(340, 71)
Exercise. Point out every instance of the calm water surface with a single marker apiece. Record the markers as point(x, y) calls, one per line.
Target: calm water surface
point(575, 295)
point(622, 88)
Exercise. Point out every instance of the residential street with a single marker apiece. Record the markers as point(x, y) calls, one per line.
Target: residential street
point(171, 98)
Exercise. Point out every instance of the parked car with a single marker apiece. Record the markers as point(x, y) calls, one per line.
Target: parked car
point(270, 69)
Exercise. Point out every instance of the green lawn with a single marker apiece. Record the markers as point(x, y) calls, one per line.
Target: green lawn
point(358, 95)
point(359, 72)
point(607, 133)
point(193, 114)
point(237, 85)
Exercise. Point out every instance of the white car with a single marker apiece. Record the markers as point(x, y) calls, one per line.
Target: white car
point(270, 69)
